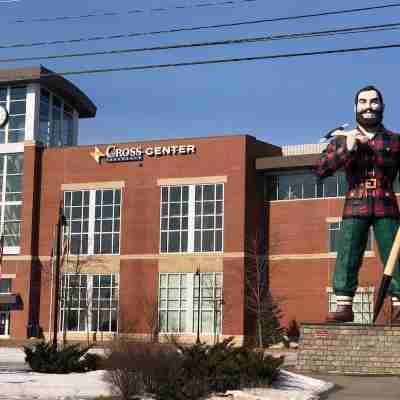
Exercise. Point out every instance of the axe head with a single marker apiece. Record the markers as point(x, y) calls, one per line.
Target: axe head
point(383, 289)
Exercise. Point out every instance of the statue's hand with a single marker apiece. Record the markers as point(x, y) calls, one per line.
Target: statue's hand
point(352, 137)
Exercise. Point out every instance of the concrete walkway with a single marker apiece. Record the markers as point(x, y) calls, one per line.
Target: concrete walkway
point(362, 387)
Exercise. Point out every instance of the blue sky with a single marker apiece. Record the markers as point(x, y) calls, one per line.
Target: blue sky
point(289, 101)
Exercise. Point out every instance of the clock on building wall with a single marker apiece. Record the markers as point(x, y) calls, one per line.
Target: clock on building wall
point(3, 116)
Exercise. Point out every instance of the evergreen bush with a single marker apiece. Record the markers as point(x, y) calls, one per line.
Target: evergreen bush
point(47, 358)
point(293, 331)
point(187, 373)
point(272, 331)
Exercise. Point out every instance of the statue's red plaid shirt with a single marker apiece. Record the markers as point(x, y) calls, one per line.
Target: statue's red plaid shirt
point(370, 171)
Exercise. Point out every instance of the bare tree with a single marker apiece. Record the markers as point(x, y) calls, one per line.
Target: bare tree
point(71, 295)
point(150, 307)
point(259, 300)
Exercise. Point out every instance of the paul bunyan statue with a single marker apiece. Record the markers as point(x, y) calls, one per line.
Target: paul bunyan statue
point(370, 156)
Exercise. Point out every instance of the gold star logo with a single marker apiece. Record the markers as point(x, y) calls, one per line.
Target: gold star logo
point(97, 154)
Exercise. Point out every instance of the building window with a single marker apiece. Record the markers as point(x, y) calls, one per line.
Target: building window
point(93, 221)
point(192, 218)
point(334, 233)
point(210, 302)
point(173, 303)
point(14, 100)
point(56, 140)
point(363, 304)
point(303, 184)
point(68, 126)
point(179, 302)
point(11, 168)
point(56, 121)
point(89, 302)
point(5, 286)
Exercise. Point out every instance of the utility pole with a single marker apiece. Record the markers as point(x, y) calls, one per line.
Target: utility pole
point(198, 307)
point(60, 224)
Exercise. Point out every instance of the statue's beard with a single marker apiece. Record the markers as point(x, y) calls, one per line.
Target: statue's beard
point(370, 122)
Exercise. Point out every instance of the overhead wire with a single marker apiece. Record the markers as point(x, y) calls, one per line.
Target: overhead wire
point(149, 33)
point(133, 11)
point(211, 4)
point(288, 36)
point(219, 61)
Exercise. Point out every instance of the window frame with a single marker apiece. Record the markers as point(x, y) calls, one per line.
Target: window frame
point(8, 287)
point(55, 138)
point(91, 220)
point(7, 105)
point(190, 306)
point(191, 215)
point(271, 185)
point(4, 203)
point(90, 309)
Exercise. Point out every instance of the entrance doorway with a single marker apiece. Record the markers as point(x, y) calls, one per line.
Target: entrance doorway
point(4, 323)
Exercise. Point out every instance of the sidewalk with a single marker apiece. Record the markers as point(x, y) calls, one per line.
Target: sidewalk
point(361, 387)
point(351, 387)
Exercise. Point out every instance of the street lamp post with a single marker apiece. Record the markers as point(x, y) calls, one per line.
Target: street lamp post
point(198, 307)
point(218, 303)
point(60, 224)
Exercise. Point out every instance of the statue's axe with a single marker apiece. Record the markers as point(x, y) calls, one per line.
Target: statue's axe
point(330, 135)
point(387, 275)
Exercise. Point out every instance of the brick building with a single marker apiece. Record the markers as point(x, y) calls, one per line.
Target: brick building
point(148, 223)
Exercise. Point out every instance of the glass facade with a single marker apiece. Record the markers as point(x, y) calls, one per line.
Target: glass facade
point(56, 121)
point(89, 302)
point(5, 285)
point(179, 302)
point(11, 169)
point(14, 100)
point(304, 184)
point(192, 218)
point(93, 221)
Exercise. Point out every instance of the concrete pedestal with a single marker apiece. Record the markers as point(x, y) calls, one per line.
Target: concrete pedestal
point(349, 349)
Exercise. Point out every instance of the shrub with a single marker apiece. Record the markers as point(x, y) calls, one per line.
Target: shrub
point(187, 373)
point(272, 331)
point(136, 368)
point(45, 357)
point(293, 331)
point(228, 367)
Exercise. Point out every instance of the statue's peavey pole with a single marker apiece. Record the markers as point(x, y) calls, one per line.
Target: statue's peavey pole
point(387, 275)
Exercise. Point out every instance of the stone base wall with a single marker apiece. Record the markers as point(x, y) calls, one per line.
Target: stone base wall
point(349, 349)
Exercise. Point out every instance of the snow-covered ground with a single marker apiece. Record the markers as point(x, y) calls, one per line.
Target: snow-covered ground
point(16, 384)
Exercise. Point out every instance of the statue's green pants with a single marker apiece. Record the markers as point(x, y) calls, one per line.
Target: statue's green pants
point(352, 242)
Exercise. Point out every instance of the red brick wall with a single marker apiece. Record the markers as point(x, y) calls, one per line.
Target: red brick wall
point(141, 195)
point(140, 219)
point(138, 295)
point(20, 286)
point(45, 287)
point(233, 294)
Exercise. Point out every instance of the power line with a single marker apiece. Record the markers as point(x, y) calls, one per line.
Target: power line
point(221, 61)
point(209, 4)
point(231, 3)
point(314, 34)
point(189, 29)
